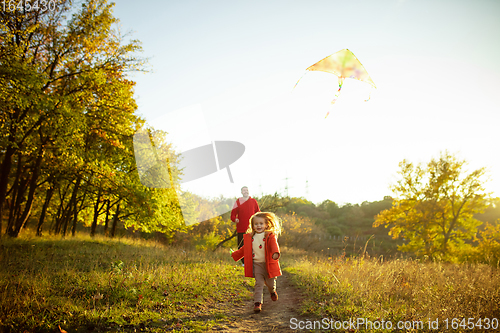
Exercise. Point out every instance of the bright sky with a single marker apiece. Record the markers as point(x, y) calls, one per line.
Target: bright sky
point(231, 66)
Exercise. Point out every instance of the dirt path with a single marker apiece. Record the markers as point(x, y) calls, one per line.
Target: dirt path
point(274, 317)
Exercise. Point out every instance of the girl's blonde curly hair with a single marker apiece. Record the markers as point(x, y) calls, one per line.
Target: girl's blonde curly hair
point(273, 223)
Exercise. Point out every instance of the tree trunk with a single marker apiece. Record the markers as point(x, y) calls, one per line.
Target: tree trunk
point(48, 196)
point(63, 218)
point(115, 221)
point(18, 192)
point(61, 211)
point(69, 212)
point(12, 210)
point(107, 217)
point(57, 218)
point(75, 219)
point(73, 230)
point(21, 222)
point(4, 179)
point(14, 195)
point(96, 214)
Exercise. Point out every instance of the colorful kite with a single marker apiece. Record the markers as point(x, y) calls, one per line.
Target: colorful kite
point(344, 64)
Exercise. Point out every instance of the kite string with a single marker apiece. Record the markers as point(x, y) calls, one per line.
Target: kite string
point(370, 95)
point(299, 81)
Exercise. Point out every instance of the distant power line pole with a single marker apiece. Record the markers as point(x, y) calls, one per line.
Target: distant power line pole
point(286, 185)
point(307, 189)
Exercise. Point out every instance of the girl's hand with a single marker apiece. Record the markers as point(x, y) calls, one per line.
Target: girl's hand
point(275, 255)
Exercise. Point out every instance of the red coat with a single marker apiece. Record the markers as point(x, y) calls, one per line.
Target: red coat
point(244, 211)
point(272, 265)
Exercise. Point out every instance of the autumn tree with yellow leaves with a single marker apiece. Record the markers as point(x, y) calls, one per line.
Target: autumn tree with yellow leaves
point(434, 207)
point(67, 119)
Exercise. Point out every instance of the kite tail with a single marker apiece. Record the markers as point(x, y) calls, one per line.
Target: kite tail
point(341, 82)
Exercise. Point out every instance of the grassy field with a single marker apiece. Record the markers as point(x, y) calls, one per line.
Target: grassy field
point(102, 285)
point(405, 292)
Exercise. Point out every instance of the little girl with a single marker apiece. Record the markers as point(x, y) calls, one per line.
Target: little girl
point(261, 252)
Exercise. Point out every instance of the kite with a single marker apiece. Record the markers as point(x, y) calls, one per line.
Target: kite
point(344, 64)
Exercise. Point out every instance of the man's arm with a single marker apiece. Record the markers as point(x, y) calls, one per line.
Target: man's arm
point(235, 212)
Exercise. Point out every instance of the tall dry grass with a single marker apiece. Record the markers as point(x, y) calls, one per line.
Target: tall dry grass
point(395, 290)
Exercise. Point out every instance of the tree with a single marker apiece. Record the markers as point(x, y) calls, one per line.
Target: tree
point(434, 207)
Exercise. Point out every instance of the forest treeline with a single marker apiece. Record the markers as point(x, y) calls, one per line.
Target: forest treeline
point(67, 119)
point(329, 227)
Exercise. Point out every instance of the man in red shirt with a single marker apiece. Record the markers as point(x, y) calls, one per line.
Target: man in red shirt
point(243, 209)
